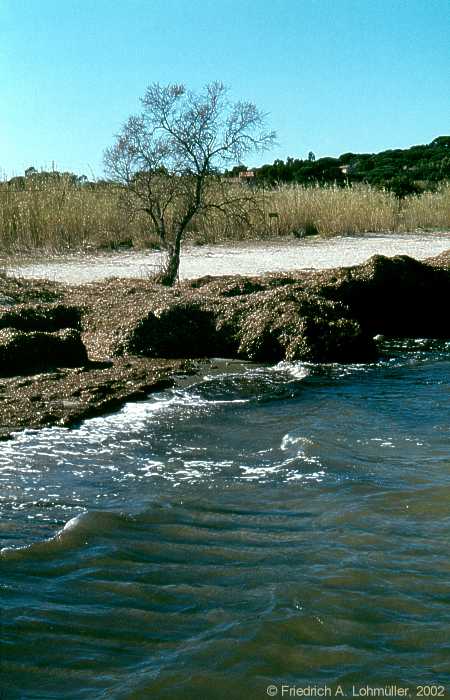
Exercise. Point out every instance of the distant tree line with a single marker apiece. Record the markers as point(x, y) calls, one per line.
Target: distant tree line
point(404, 171)
point(40, 179)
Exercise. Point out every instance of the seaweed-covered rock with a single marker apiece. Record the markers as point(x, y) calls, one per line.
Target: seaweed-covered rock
point(441, 261)
point(26, 353)
point(396, 296)
point(282, 322)
point(182, 329)
point(323, 315)
point(67, 396)
point(229, 286)
point(41, 317)
point(287, 323)
point(16, 290)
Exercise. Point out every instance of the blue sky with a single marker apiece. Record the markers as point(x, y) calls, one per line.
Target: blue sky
point(334, 75)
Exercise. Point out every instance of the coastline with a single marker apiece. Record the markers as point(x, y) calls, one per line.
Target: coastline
point(142, 338)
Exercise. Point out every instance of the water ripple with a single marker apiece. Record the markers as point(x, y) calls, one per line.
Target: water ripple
point(280, 524)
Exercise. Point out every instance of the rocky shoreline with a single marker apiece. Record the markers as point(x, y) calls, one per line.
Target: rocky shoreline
point(71, 352)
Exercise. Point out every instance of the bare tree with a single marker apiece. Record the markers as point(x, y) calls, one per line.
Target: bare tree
point(169, 159)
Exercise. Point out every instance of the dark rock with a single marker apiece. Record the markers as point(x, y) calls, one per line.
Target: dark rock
point(398, 296)
point(180, 330)
point(27, 353)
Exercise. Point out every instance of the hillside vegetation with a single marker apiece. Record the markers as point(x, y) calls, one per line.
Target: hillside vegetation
point(404, 171)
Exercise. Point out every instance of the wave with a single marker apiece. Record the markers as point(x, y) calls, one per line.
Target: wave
point(75, 534)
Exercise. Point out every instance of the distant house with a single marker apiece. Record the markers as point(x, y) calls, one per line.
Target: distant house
point(246, 175)
point(345, 169)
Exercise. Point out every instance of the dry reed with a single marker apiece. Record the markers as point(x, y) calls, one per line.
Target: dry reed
point(60, 216)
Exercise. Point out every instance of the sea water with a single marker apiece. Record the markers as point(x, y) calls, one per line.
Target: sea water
point(261, 527)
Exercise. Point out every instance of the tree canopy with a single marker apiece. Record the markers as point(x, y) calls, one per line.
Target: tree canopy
point(402, 170)
point(169, 158)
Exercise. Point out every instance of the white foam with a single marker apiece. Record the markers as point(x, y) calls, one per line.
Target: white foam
point(297, 370)
point(288, 441)
point(70, 525)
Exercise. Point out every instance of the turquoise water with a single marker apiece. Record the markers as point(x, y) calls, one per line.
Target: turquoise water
point(264, 526)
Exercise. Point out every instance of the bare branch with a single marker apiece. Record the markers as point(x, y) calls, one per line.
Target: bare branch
point(168, 157)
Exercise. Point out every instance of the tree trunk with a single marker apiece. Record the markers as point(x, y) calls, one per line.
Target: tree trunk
point(169, 274)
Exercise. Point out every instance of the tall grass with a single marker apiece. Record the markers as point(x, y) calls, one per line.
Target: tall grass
point(430, 210)
point(60, 216)
point(332, 210)
point(357, 209)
